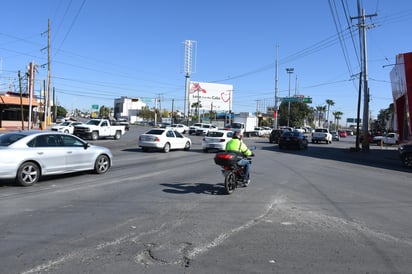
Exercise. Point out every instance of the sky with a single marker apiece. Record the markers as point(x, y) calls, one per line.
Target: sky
point(102, 50)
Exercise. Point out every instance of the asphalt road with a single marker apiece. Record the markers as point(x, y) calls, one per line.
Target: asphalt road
point(320, 210)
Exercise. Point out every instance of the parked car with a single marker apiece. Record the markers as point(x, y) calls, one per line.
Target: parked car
point(205, 129)
point(60, 119)
point(343, 133)
point(349, 132)
point(163, 139)
point(391, 139)
point(335, 136)
point(216, 140)
point(275, 135)
point(180, 128)
point(267, 131)
point(377, 139)
point(27, 155)
point(293, 139)
point(66, 127)
point(258, 131)
point(321, 135)
point(201, 128)
point(405, 153)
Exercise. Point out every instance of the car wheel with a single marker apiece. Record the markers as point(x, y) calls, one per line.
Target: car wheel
point(66, 131)
point(95, 135)
point(187, 146)
point(28, 174)
point(117, 135)
point(407, 160)
point(102, 164)
point(166, 148)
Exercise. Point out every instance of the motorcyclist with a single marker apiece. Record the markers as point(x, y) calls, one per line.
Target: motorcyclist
point(236, 144)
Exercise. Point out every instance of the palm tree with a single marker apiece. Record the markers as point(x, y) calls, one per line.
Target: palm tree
point(196, 106)
point(329, 103)
point(320, 109)
point(338, 116)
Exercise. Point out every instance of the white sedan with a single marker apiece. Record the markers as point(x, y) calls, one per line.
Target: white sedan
point(216, 140)
point(27, 155)
point(181, 128)
point(66, 127)
point(164, 139)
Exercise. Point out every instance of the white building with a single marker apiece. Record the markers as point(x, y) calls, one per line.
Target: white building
point(125, 107)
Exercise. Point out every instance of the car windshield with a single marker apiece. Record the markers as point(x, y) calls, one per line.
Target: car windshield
point(93, 122)
point(320, 130)
point(65, 123)
point(214, 134)
point(10, 138)
point(155, 131)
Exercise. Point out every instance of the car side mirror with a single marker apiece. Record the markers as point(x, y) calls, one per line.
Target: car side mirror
point(86, 145)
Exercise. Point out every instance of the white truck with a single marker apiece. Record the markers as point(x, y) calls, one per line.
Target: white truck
point(321, 135)
point(245, 123)
point(99, 128)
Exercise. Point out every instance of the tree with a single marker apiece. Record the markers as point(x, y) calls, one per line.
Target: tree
point(298, 112)
point(146, 113)
point(320, 110)
point(104, 112)
point(329, 103)
point(196, 105)
point(385, 117)
point(338, 116)
point(60, 111)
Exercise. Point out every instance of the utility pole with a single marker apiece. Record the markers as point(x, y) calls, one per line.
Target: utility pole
point(21, 101)
point(289, 71)
point(364, 63)
point(48, 73)
point(30, 89)
point(275, 111)
point(173, 104)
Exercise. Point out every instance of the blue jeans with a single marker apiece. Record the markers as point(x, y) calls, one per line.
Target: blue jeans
point(244, 162)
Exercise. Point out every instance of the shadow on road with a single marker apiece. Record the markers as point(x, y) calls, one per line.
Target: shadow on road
point(200, 188)
point(387, 158)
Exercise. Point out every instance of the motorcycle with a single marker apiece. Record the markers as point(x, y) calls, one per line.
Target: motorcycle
point(231, 170)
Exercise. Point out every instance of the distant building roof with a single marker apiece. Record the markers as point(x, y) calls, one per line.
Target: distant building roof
point(15, 100)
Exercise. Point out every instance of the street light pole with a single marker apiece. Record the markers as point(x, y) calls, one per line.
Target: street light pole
point(289, 71)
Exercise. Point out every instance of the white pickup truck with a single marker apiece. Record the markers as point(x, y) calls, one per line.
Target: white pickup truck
point(99, 128)
point(321, 135)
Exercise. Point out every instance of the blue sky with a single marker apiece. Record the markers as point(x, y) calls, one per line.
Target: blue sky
point(102, 50)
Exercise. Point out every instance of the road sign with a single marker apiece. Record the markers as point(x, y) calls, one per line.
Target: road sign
point(307, 100)
point(95, 106)
point(146, 100)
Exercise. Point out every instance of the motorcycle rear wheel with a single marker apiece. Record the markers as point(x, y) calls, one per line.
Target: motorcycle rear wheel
point(230, 182)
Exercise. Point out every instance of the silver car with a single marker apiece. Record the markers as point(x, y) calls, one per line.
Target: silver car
point(27, 155)
point(164, 139)
point(216, 140)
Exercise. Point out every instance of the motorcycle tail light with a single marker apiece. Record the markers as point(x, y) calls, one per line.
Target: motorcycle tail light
point(226, 167)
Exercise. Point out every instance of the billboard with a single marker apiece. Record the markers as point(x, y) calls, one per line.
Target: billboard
point(210, 96)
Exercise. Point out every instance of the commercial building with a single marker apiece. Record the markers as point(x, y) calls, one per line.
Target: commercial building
point(128, 108)
point(12, 105)
point(401, 81)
